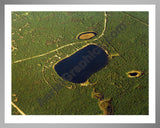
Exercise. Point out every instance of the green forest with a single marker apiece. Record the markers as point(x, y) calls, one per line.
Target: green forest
point(42, 39)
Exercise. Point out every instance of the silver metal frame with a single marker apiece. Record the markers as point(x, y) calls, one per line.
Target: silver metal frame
point(4, 2)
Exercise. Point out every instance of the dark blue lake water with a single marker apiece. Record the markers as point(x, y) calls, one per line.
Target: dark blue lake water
point(78, 67)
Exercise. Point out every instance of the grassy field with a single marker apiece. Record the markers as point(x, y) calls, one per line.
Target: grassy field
point(41, 39)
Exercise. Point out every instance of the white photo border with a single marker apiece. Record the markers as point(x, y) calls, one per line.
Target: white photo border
point(80, 119)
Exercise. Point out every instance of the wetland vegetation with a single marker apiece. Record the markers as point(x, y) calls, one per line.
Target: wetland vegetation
point(41, 41)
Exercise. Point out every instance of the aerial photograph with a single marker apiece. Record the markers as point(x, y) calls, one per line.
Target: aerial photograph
point(80, 63)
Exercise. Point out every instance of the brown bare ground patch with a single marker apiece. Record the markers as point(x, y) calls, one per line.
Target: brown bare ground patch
point(86, 35)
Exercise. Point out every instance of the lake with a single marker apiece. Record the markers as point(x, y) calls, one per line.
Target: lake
point(78, 67)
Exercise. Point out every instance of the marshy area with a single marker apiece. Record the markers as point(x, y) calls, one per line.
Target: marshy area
point(80, 63)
